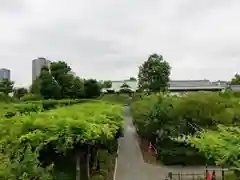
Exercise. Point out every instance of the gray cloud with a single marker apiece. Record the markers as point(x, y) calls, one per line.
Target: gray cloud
point(110, 39)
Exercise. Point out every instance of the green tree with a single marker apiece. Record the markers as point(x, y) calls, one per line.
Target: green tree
point(78, 88)
point(91, 88)
point(35, 87)
point(6, 86)
point(107, 84)
point(236, 80)
point(49, 87)
point(132, 79)
point(19, 92)
point(58, 82)
point(154, 74)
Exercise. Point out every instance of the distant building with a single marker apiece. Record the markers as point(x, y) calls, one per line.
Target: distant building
point(37, 65)
point(117, 85)
point(175, 86)
point(5, 74)
point(183, 86)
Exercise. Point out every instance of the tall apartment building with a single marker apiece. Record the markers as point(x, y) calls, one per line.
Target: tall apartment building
point(37, 65)
point(5, 74)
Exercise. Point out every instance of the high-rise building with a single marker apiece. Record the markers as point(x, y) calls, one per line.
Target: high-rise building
point(5, 74)
point(37, 65)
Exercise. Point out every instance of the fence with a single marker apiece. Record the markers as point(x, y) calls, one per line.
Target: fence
point(215, 174)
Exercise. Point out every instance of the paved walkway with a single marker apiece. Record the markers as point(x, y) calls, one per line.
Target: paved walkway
point(130, 163)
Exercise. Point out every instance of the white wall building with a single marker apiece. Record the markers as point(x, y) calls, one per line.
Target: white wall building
point(37, 65)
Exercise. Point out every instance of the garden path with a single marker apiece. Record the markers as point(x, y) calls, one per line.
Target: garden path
point(130, 164)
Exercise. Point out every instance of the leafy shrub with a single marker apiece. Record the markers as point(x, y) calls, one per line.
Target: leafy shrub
point(6, 99)
point(10, 110)
point(159, 118)
point(113, 98)
point(65, 129)
point(31, 97)
point(222, 145)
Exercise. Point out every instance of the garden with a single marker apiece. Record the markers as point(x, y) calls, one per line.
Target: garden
point(60, 143)
point(193, 129)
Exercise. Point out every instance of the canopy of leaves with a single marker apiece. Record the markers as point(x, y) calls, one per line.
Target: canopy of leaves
point(159, 118)
point(19, 92)
point(49, 87)
point(91, 88)
point(6, 86)
point(132, 79)
point(222, 145)
point(236, 80)
point(23, 137)
point(107, 84)
point(154, 74)
point(58, 82)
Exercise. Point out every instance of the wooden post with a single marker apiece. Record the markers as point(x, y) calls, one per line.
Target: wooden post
point(87, 161)
point(223, 174)
point(78, 173)
point(206, 173)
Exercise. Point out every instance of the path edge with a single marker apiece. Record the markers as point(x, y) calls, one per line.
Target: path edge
point(116, 160)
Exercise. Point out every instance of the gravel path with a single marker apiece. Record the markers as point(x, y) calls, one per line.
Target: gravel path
point(130, 164)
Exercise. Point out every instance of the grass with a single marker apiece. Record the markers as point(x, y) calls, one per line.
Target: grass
point(122, 99)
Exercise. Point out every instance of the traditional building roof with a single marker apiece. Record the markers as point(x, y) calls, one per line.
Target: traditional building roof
point(193, 85)
point(175, 85)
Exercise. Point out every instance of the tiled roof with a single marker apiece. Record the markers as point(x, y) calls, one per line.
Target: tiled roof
point(193, 85)
point(189, 83)
point(173, 85)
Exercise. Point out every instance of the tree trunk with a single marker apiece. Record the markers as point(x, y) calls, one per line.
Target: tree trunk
point(87, 161)
point(78, 173)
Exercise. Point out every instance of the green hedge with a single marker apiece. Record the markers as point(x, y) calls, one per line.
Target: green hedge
point(161, 117)
point(33, 146)
point(10, 110)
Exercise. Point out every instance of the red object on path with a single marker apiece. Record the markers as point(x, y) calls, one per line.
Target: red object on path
point(150, 147)
point(209, 177)
point(213, 175)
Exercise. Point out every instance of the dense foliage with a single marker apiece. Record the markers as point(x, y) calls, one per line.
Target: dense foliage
point(161, 118)
point(10, 110)
point(222, 145)
point(58, 82)
point(6, 86)
point(122, 99)
point(19, 92)
point(154, 74)
point(33, 146)
point(236, 79)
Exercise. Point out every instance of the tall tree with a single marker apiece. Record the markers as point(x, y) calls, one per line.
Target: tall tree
point(236, 80)
point(91, 88)
point(78, 88)
point(35, 87)
point(58, 82)
point(154, 74)
point(19, 92)
point(6, 86)
point(49, 87)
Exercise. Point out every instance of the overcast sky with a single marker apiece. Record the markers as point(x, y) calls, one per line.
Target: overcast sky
point(109, 39)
